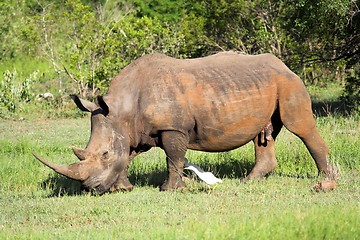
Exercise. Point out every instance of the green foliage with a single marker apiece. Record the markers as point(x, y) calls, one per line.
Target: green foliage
point(133, 37)
point(164, 10)
point(92, 52)
point(351, 94)
point(10, 43)
point(8, 92)
point(69, 38)
point(14, 92)
point(88, 42)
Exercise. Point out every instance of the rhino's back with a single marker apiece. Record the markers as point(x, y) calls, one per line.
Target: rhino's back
point(229, 67)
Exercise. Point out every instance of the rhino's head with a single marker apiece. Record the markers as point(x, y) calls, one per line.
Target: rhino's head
point(103, 164)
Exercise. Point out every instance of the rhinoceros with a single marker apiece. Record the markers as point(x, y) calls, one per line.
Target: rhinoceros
point(215, 103)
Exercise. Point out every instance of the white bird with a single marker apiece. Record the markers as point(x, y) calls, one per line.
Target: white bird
point(207, 177)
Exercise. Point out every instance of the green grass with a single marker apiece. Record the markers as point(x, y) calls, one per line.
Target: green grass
point(322, 92)
point(36, 203)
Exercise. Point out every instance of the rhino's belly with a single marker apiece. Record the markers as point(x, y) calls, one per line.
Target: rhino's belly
point(225, 137)
point(218, 146)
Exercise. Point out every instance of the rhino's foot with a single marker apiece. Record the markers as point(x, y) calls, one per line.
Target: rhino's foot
point(326, 185)
point(251, 177)
point(248, 178)
point(261, 169)
point(123, 184)
point(173, 183)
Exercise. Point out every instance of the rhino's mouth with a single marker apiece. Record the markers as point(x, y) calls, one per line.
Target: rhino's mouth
point(96, 186)
point(113, 183)
point(100, 184)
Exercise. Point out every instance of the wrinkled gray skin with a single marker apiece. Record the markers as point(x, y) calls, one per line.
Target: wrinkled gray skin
point(213, 104)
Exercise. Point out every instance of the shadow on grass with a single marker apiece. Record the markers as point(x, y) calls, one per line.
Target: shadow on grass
point(61, 186)
point(154, 179)
point(231, 168)
point(327, 108)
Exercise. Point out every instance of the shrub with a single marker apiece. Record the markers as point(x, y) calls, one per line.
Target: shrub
point(351, 95)
point(131, 38)
point(14, 92)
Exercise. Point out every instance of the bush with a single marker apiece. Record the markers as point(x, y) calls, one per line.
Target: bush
point(131, 38)
point(14, 92)
point(351, 95)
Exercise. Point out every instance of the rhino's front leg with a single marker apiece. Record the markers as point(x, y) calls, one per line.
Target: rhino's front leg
point(174, 145)
point(123, 182)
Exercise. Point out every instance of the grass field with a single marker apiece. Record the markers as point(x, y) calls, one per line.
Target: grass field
point(36, 203)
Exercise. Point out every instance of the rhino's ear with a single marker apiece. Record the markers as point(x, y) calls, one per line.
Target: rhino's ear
point(81, 153)
point(103, 105)
point(84, 105)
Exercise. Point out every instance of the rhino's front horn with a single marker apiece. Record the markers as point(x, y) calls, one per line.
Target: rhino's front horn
point(77, 171)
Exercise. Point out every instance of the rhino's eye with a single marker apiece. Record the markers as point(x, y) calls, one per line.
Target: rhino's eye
point(104, 154)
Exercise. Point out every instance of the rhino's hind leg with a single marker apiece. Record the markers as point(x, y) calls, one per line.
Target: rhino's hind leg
point(296, 114)
point(174, 144)
point(317, 147)
point(265, 159)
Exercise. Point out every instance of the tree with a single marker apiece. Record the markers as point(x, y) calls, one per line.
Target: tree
point(89, 42)
point(329, 36)
point(164, 10)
